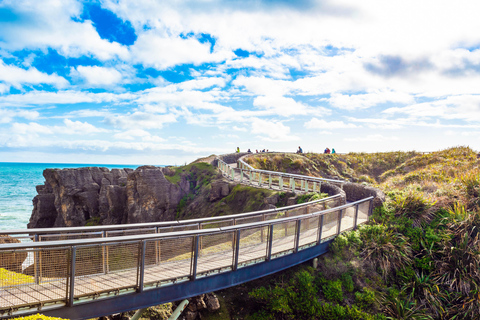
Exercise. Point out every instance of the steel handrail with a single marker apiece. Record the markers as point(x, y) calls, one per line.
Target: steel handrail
point(175, 223)
point(174, 234)
point(284, 174)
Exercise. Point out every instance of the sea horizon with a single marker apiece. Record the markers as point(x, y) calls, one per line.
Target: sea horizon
point(18, 181)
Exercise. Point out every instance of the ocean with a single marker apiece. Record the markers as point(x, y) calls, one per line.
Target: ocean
point(17, 189)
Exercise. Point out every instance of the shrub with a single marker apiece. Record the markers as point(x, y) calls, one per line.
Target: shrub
point(366, 298)
point(387, 250)
point(332, 290)
point(347, 282)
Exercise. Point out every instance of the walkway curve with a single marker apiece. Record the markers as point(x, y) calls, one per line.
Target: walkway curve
point(91, 276)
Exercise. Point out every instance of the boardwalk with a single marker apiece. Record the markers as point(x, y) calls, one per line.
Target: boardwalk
point(71, 276)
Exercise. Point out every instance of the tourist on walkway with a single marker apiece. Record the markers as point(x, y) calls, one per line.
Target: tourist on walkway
point(299, 150)
point(238, 150)
point(333, 150)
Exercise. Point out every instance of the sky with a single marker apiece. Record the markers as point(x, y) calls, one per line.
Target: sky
point(167, 82)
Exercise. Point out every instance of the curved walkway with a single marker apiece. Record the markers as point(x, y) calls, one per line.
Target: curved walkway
point(78, 275)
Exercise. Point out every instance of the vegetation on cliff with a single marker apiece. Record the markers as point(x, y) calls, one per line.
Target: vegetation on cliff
point(418, 258)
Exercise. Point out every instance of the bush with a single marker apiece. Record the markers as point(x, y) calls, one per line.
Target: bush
point(332, 290)
point(366, 298)
point(347, 282)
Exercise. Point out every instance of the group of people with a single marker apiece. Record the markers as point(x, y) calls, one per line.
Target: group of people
point(300, 150)
point(250, 151)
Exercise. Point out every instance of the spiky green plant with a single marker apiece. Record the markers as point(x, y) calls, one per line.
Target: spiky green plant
point(384, 248)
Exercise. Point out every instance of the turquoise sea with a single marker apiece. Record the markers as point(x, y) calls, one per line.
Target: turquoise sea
point(17, 189)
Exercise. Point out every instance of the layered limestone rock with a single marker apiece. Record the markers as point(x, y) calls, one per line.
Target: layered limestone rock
point(74, 197)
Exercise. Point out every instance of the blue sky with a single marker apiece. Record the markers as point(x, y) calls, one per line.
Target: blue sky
point(154, 82)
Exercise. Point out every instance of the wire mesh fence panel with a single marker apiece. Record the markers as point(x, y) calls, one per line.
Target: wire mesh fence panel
point(215, 251)
point(330, 223)
point(363, 211)
point(348, 219)
point(297, 211)
point(173, 256)
point(91, 276)
point(249, 219)
point(90, 260)
point(177, 228)
point(70, 236)
point(308, 231)
point(283, 236)
point(131, 232)
point(121, 256)
point(275, 215)
point(28, 287)
point(217, 224)
point(252, 244)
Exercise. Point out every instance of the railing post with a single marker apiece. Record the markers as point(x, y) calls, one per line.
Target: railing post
point(370, 209)
point(141, 265)
point(280, 182)
point(233, 174)
point(241, 175)
point(261, 231)
point(104, 256)
point(195, 259)
point(250, 176)
point(37, 262)
point(270, 181)
point(270, 242)
point(306, 186)
point(292, 184)
point(320, 229)
point(314, 186)
point(237, 249)
point(301, 185)
point(355, 219)
point(71, 286)
point(339, 221)
point(297, 234)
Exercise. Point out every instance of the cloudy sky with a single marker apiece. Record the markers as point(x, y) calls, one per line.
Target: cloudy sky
point(166, 82)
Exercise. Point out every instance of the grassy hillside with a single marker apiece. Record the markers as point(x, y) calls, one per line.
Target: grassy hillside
point(418, 258)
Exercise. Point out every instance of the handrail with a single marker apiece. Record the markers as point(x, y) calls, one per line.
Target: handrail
point(290, 174)
point(78, 242)
point(163, 224)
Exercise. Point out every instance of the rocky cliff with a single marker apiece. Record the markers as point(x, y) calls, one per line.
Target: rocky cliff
point(92, 195)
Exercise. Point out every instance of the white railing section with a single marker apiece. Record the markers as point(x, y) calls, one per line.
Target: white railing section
point(245, 173)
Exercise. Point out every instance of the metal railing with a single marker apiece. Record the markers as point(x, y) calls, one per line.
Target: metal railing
point(105, 231)
point(272, 179)
point(68, 272)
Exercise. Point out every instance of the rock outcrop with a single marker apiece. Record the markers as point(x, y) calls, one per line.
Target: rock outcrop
point(75, 197)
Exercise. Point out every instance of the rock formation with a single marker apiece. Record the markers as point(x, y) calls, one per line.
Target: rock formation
point(75, 197)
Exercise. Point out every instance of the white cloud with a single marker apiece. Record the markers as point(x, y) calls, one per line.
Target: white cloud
point(18, 77)
point(98, 76)
point(49, 24)
point(323, 124)
point(363, 101)
point(282, 106)
point(372, 138)
point(78, 127)
point(272, 130)
point(463, 107)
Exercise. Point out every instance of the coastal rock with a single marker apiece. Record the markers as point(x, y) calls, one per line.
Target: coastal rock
point(77, 196)
point(219, 190)
point(151, 197)
point(11, 260)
